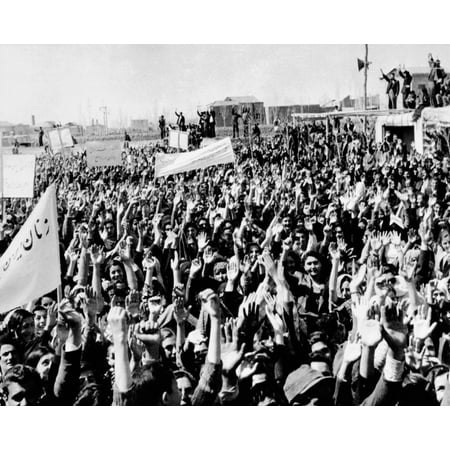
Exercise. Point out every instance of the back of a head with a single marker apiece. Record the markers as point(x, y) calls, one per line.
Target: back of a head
point(28, 378)
point(150, 383)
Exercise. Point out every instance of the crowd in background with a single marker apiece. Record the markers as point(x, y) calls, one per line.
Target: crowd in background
point(314, 270)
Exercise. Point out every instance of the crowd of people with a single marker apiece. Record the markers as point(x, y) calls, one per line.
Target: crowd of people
point(206, 127)
point(313, 271)
point(436, 93)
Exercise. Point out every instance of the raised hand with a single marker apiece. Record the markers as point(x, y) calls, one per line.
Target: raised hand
point(190, 206)
point(352, 351)
point(358, 279)
point(247, 368)
point(148, 332)
point(208, 255)
point(180, 312)
point(97, 255)
point(178, 198)
point(395, 331)
point(196, 267)
point(149, 263)
point(275, 319)
point(408, 272)
point(171, 240)
point(68, 315)
point(157, 220)
point(412, 236)
point(248, 317)
point(370, 332)
point(118, 323)
point(269, 264)
point(395, 238)
point(73, 256)
point(287, 244)
point(414, 359)
point(233, 269)
point(375, 242)
point(246, 264)
point(385, 238)
point(202, 241)
point(308, 224)
point(231, 354)
point(421, 323)
point(90, 304)
point(52, 315)
point(125, 252)
point(132, 303)
point(334, 252)
point(425, 234)
point(211, 303)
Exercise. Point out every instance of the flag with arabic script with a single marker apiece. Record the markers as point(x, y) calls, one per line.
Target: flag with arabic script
point(30, 267)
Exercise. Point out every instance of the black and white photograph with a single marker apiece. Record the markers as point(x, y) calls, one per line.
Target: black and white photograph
point(227, 224)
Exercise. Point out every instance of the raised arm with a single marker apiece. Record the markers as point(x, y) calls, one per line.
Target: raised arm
point(117, 320)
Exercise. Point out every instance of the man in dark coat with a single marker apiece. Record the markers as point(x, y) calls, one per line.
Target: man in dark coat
point(406, 88)
point(393, 88)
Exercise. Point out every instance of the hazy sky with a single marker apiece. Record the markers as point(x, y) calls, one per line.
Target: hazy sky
point(71, 82)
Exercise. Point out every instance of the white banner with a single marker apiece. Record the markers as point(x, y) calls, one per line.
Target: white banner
point(208, 141)
point(178, 139)
point(18, 176)
point(60, 138)
point(30, 266)
point(220, 152)
point(104, 153)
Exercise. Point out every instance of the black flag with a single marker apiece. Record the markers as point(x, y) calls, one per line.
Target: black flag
point(361, 64)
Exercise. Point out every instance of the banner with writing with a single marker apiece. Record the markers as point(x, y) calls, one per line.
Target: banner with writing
point(30, 267)
point(60, 138)
point(104, 153)
point(178, 139)
point(220, 152)
point(18, 176)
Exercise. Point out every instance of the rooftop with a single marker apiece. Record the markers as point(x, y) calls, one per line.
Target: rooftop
point(245, 99)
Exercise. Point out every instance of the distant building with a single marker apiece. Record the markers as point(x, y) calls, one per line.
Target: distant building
point(96, 130)
point(350, 103)
point(75, 129)
point(21, 129)
point(139, 124)
point(223, 109)
point(6, 127)
point(419, 77)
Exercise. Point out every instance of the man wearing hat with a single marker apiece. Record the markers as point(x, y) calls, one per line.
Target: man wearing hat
point(308, 387)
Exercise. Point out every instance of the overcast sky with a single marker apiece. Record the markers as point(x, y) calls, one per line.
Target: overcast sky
point(70, 82)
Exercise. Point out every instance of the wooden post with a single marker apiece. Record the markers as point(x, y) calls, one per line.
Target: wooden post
point(366, 63)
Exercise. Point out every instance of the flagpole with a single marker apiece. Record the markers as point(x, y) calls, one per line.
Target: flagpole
point(366, 63)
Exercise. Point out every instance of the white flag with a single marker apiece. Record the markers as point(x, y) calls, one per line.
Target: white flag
point(30, 266)
point(60, 138)
point(179, 139)
point(220, 152)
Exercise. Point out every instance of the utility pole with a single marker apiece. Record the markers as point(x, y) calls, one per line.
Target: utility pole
point(366, 66)
point(104, 109)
